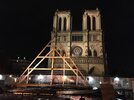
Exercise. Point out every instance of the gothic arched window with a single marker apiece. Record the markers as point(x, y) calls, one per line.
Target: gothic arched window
point(95, 53)
point(94, 23)
point(65, 21)
point(89, 52)
point(88, 23)
point(59, 24)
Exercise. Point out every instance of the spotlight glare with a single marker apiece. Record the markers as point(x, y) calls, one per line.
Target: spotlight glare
point(64, 78)
point(95, 88)
point(10, 76)
point(40, 77)
point(90, 79)
point(116, 79)
point(1, 77)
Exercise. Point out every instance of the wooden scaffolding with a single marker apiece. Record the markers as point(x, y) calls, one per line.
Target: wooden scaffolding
point(51, 53)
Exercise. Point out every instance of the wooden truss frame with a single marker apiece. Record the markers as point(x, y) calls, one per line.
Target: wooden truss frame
point(66, 59)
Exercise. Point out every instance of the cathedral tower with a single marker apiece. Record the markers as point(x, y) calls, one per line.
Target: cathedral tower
point(84, 47)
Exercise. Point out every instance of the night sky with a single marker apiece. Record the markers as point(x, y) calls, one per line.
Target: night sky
point(25, 28)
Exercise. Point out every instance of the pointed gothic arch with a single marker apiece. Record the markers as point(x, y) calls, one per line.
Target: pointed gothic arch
point(88, 23)
point(89, 52)
point(65, 21)
point(59, 28)
point(95, 53)
point(94, 23)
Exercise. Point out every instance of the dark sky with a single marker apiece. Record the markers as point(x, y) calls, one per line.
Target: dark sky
point(25, 28)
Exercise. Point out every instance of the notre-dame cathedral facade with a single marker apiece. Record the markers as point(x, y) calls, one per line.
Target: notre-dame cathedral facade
point(85, 47)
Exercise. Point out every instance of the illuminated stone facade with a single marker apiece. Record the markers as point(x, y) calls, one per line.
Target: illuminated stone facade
point(84, 47)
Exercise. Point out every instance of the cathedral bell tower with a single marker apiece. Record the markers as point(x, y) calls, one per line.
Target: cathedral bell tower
point(84, 47)
point(62, 30)
point(92, 27)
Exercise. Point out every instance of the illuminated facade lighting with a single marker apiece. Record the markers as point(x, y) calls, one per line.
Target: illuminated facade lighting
point(95, 88)
point(1, 77)
point(116, 79)
point(100, 82)
point(29, 78)
point(90, 79)
point(15, 79)
point(10, 76)
point(64, 78)
point(24, 58)
point(40, 77)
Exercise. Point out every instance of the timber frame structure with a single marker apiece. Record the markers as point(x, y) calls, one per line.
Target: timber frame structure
point(51, 54)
